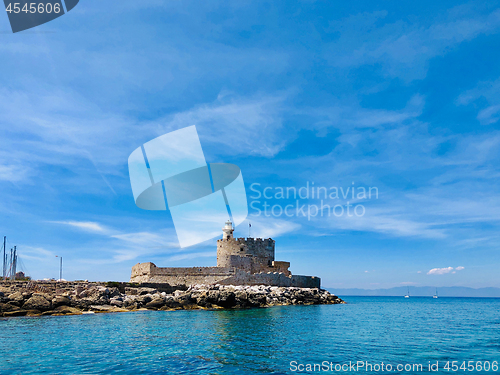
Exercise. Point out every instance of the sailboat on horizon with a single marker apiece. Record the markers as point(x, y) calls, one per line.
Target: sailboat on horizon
point(435, 295)
point(408, 294)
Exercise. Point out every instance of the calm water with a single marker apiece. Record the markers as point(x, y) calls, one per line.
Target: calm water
point(261, 341)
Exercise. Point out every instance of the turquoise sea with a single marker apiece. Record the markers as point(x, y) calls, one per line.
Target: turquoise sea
point(392, 330)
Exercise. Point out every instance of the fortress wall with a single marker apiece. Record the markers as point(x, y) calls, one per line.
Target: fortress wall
point(272, 279)
point(189, 279)
point(224, 275)
point(242, 263)
point(195, 271)
point(305, 281)
point(178, 275)
point(261, 251)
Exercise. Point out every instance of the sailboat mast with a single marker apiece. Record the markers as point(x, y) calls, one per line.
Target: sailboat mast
point(4, 258)
point(9, 273)
point(15, 262)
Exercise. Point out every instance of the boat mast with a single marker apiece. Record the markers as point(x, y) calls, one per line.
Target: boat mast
point(4, 258)
point(14, 264)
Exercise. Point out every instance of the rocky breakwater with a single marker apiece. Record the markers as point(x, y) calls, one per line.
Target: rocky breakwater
point(109, 299)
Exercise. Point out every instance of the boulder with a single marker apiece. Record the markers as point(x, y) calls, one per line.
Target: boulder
point(68, 310)
point(6, 307)
point(117, 301)
point(16, 298)
point(143, 291)
point(226, 298)
point(155, 303)
point(37, 302)
point(131, 291)
point(144, 299)
point(114, 292)
point(61, 301)
point(184, 299)
point(27, 295)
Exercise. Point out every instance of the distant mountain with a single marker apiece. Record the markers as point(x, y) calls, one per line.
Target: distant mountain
point(419, 291)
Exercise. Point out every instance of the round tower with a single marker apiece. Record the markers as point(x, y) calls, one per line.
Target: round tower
point(227, 230)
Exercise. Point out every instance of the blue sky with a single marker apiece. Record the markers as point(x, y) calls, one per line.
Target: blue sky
point(401, 97)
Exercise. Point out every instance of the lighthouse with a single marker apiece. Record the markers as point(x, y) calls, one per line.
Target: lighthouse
point(227, 230)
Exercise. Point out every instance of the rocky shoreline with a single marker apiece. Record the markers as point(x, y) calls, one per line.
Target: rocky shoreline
point(102, 299)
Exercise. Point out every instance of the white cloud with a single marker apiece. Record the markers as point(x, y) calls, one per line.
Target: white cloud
point(442, 271)
point(85, 225)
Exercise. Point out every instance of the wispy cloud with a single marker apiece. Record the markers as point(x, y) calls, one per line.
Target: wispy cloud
point(85, 225)
point(484, 91)
point(390, 223)
point(37, 253)
point(13, 173)
point(254, 123)
point(403, 48)
point(148, 239)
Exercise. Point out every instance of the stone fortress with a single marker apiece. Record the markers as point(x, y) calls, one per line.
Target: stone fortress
point(240, 261)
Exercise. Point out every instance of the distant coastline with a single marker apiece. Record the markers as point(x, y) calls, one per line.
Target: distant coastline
point(419, 291)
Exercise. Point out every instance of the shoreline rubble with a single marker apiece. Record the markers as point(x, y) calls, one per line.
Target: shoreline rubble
point(107, 299)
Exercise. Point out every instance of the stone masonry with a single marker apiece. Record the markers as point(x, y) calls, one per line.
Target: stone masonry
point(240, 261)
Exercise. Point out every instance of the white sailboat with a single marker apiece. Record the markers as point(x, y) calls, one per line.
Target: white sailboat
point(435, 295)
point(408, 294)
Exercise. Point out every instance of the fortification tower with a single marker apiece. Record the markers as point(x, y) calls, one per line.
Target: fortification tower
point(251, 255)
